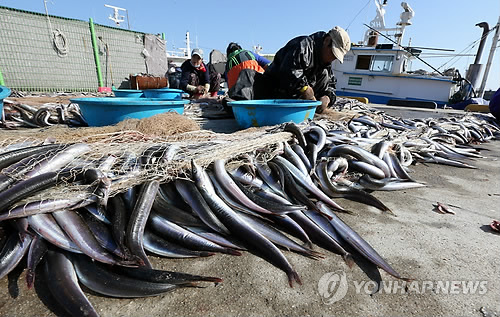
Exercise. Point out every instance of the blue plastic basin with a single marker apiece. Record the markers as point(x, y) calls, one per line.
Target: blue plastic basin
point(4, 93)
point(106, 111)
point(128, 93)
point(164, 93)
point(258, 113)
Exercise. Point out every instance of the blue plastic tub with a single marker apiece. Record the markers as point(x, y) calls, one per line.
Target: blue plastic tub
point(106, 111)
point(4, 93)
point(164, 93)
point(258, 113)
point(128, 93)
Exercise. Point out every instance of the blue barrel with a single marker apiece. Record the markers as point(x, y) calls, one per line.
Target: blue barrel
point(4, 93)
point(106, 111)
point(258, 113)
point(128, 93)
point(164, 93)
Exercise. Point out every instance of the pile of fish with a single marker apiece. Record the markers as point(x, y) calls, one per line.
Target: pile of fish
point(285, 202)
point(18, 115)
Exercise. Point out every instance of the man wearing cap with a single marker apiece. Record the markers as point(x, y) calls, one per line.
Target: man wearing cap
point(303, 68)
point(196, 79)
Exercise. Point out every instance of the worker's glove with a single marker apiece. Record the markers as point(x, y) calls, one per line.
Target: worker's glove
point(307, 93)
point(199, 90)
point(325, 101)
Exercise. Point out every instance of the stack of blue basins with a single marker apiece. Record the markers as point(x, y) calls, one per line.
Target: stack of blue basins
point(130, 104)
point(128, 93)
point(164, 93)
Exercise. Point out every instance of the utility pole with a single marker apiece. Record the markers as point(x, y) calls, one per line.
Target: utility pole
point(494, 44)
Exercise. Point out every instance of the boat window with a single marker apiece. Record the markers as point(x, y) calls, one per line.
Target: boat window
point(382, 63)
point(363, 62)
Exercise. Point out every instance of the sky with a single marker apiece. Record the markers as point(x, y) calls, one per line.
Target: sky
point(213, 24)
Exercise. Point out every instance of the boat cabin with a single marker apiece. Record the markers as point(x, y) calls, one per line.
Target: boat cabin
point(381, 72)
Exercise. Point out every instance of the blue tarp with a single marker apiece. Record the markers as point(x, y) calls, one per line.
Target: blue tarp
point(476, 101)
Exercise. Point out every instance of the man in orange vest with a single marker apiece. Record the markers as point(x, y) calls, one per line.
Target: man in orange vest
point(241, 68)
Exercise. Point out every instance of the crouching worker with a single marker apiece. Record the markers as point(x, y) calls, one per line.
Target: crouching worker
point(196, 79)
point(241, 69)
point(302, 69)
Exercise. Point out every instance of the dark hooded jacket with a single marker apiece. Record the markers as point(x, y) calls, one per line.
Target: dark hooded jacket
point(495, 104)
point(296, 65)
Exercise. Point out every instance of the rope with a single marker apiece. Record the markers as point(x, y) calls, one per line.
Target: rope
point(359, 12)
point(468, 48)
point(60, 43)
point(59, 39)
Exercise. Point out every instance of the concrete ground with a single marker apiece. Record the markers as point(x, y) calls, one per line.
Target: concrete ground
point(431, 248)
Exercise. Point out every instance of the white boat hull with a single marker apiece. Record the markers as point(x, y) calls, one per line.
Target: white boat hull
point(380, 88)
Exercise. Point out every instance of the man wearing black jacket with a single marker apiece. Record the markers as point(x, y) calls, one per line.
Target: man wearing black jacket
point(303, 68)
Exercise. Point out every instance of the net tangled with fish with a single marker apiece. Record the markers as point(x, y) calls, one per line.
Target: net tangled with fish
point(134, 157)
point(133, 152)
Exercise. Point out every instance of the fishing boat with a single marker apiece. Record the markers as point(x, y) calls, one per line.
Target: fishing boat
point(178, 56)
point(381, 72)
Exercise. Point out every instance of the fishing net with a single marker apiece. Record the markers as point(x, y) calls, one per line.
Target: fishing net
point(138, 151)
point(160, 125)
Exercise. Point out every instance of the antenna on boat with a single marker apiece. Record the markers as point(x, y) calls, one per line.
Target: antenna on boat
point(257, 48)
point(406, 49)
point(116, 17)
point(431, 48)
point(378, 23)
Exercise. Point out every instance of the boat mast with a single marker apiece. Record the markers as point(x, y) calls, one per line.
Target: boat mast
point(490, 60)
point(378, 23)
point(188, 45)
point(475, 69)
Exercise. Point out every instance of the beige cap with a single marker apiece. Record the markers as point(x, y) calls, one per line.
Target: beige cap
point(341, 43)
